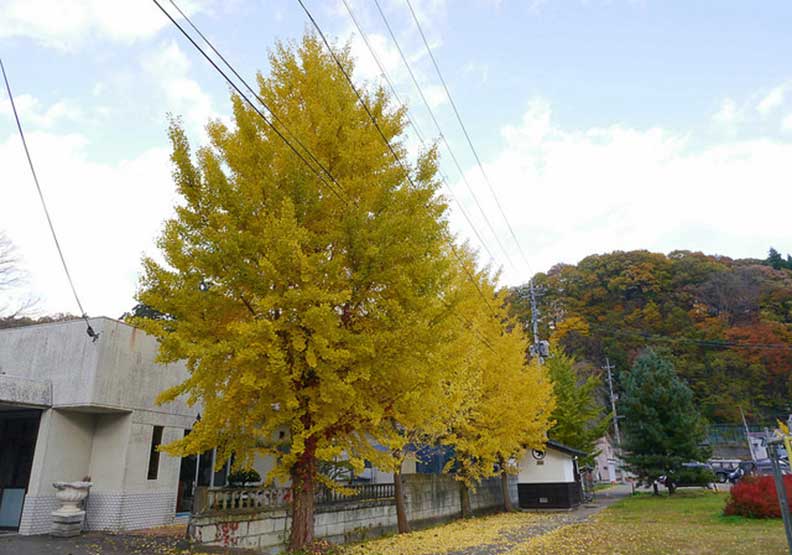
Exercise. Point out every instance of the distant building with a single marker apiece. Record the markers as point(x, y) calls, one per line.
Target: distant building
point(607, 467)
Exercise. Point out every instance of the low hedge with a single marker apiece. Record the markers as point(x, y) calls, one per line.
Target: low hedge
point(755, 497)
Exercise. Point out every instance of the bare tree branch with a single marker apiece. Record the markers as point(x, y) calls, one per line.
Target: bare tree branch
point(12, 278)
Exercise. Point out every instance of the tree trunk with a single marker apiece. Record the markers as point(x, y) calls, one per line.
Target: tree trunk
point(671, 487)
point(464, 498)
point(507, 504)
point(401, 508)
point(303, 476)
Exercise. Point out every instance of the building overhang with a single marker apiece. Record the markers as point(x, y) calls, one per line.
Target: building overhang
point(25, 392)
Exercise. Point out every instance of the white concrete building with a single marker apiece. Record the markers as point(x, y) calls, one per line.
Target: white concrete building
point(71, 408)
point(550, 479)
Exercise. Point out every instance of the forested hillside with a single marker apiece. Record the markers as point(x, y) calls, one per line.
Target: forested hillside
point(726, 323)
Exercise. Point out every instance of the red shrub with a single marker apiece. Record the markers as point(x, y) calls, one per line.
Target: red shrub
point(755, 497)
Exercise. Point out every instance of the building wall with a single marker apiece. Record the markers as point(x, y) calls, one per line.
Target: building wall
point(60, 353)
point(555, 467)
point(63, 453)
point(117, 372)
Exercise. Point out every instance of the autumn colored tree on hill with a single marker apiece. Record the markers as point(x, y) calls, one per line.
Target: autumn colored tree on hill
point(712, 315)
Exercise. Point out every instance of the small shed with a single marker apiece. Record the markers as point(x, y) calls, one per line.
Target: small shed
point(550, 479)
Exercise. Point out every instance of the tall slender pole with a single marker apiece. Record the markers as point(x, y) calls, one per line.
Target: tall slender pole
point(535, 323)
point(747, 435)
point(610, 367)
point(772, 447)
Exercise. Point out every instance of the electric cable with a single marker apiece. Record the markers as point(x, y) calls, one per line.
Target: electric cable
point(91, 333)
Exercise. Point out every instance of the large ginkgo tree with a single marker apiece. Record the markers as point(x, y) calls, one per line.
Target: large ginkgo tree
point(316, 306)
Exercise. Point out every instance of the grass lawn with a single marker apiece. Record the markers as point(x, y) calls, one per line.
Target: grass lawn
point(690, 522)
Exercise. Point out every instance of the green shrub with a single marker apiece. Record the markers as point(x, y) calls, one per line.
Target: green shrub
point(239, 478)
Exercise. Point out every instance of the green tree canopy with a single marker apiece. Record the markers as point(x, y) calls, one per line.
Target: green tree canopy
point(580, 419)
point(662, 426)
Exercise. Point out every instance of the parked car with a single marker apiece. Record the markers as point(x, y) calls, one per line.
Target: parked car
point(762, 467)
point(723, 468)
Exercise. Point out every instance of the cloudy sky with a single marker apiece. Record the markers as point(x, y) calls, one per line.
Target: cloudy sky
point(602, 124)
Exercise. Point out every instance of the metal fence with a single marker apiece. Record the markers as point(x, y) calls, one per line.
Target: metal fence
point(729, 434)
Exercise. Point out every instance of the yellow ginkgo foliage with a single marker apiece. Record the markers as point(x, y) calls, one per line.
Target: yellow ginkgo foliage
point(320, 306)
point(508, 401)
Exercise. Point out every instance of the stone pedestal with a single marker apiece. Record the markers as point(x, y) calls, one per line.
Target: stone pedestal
point(67, 526)
point(68, 520)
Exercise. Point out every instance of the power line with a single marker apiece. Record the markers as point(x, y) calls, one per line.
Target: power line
point(84, 316)
point(385, 139)
point(473, 280)
point(280, 135)
point(357, 93)
point(440, 130)
point(465, 131)
point(689, 340)
point(414, 125)
point(381, 67)
point(250, 103)
point(258, 97)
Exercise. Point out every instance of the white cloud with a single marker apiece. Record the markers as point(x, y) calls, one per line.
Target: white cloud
point(787, 123)
point(366, 68)
point(729, 113)
point(170, 67)
point(771, 101)
point(435, 95)
point(106, 215)
point(570, 193)
point(33, 114)
point(68, 24)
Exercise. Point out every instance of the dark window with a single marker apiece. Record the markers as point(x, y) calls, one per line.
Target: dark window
point(156, 439)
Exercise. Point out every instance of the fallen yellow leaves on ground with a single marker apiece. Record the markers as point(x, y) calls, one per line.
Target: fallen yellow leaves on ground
point(456, 536)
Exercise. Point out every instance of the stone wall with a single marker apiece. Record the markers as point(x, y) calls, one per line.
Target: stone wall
point(429, 499)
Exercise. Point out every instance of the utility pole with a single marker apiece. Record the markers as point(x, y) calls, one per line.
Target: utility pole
point(539, 349)
point(772, 447)
point(610, 367)
point(534, 316)
point(747, 435)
